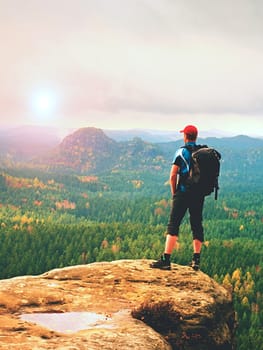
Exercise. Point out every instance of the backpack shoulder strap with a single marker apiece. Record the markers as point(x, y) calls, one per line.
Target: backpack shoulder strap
point(192, 149)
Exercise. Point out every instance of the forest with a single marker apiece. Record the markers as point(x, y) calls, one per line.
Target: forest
point(56, 219)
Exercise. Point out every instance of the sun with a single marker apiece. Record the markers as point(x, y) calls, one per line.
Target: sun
point(43, 105)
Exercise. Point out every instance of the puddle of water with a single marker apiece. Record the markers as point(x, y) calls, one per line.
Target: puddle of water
point(69, 322)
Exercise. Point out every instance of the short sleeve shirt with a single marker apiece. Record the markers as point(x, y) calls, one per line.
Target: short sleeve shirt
point(182, 159)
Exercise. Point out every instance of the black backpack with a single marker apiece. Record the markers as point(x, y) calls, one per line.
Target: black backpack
point(204, 169)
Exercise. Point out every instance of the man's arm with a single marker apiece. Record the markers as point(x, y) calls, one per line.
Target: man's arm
point(173, 178)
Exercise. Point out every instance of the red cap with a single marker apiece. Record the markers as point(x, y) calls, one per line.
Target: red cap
point(190, 130)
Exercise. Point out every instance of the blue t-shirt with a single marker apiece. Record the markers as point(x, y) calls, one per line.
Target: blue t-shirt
point(182, 159)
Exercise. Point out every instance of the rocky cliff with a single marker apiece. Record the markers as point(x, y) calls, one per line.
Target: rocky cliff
point(116, 305)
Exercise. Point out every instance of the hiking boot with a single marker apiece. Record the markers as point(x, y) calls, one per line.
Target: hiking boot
point(161, 264)
point(195, 263)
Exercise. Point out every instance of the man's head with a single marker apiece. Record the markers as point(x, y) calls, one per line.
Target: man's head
point(190, 132)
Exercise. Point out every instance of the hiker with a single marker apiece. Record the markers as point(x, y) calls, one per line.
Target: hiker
point(183, 198)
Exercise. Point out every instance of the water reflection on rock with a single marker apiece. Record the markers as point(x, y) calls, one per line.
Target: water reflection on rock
point(69, 322)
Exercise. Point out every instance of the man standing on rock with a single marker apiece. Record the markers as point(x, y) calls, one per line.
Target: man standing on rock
point(183, 198)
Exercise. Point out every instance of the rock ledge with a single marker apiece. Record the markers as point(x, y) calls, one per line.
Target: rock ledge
point(143, 308)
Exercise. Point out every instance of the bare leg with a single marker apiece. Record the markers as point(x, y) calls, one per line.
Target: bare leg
point(197, 245)
point(170, 243)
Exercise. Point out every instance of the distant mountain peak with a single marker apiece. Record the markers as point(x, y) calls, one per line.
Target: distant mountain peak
point(91, 150)
point(85, 150)
point(88, 137)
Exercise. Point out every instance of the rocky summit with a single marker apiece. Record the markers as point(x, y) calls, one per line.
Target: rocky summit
point(116, 305)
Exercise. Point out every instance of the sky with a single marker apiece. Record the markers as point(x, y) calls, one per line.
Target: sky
point(132, 64)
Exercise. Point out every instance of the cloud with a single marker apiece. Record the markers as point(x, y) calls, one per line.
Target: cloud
point(134, 57)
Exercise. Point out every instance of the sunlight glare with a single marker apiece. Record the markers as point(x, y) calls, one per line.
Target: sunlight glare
point(44, 104)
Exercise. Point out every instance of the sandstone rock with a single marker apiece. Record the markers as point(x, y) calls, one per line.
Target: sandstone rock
point(141, 308)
